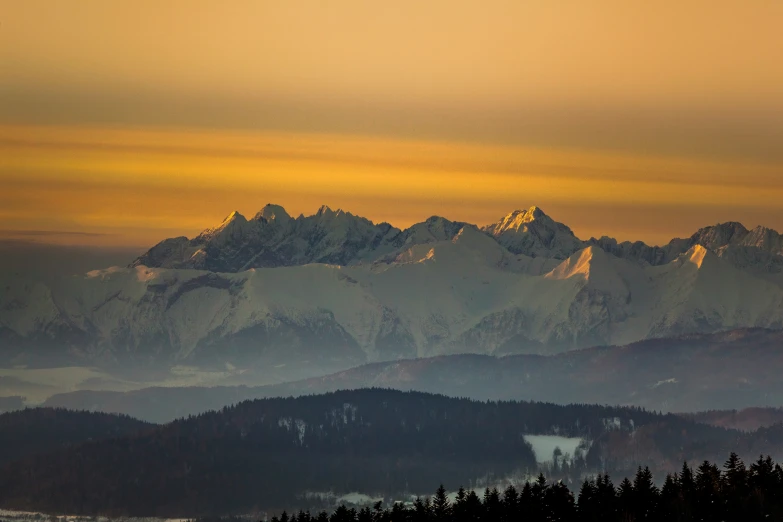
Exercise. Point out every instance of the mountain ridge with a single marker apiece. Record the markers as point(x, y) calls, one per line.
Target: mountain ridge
point(272, 234)
point(334, 290)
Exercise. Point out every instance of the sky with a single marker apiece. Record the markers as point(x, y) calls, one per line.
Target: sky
point(126, 122)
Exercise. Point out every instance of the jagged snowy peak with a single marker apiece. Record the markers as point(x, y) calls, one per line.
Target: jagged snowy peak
point(415, 242)
point(533, 233)
point(731, 234)
point(234, 228)
point(333, 237)
point(717, 236)
point(759, 250)
point(420, 243)
point(456, 244)
point(765, 239)
point(636, 251)
point(272, 212)
point(271, 239)
point(435, 228)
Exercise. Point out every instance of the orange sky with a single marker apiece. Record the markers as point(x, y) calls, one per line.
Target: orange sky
point(138, 186)
point(126, 122)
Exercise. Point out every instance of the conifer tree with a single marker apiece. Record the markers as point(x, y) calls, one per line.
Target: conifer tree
point(538, 497)
point(763, 482)
point(687, 482)
point(510, 503)
point(670, 506)
point(493, 508)
point(587, 501)
point(645, 495)
point(625, 499)
point(708, 482)
point(441, 507)
point(527, 503)
point(559, 503)
point(459, 509)
point(762, 473)
point(735, 474)
point(605, 494)
point(735, 488)
point(474, 509)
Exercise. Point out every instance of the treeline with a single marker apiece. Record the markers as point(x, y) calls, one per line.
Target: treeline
point(735, 493)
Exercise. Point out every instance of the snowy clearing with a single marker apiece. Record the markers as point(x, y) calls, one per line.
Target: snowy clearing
point(544, 446)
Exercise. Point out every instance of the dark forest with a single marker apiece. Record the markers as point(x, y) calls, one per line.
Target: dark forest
point(735, 493)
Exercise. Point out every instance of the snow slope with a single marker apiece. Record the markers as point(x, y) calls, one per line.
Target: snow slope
point(334, 290)
point(463, 295)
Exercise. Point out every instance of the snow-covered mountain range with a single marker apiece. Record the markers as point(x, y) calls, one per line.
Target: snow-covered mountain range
point(335, 290)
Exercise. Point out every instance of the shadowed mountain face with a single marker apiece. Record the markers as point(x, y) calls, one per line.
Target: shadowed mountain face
point(330, 291)
point(695, 373)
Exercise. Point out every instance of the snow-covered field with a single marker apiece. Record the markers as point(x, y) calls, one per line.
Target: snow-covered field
point(28, 516)
point(544, 446)
point(350, 499)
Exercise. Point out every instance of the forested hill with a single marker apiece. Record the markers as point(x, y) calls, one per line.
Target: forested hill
point(44, 430)
point(268, 453)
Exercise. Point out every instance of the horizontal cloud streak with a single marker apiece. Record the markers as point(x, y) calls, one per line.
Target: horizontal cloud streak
point(137, 186)
point(33, 233)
